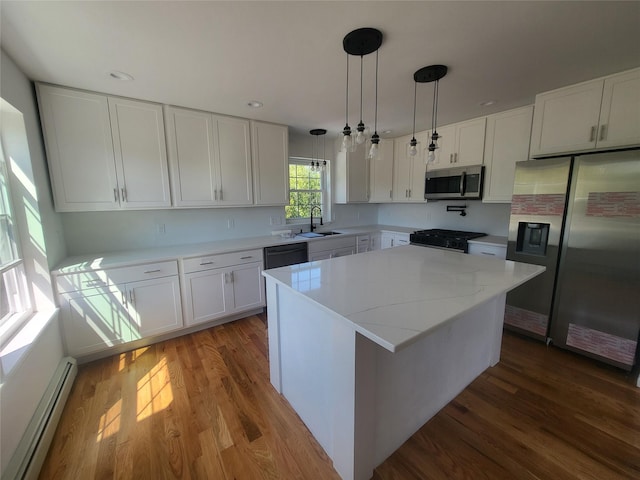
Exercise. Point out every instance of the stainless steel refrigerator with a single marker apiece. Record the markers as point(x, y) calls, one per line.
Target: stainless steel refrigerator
point(580, 217)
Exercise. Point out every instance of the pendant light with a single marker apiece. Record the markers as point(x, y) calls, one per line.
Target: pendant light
point(316, 166)
point(413, 143)
point(375, 138)
point(432, 73)
point(360, 42)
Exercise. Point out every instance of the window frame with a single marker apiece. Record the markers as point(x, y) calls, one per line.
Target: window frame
point(13, 276)
point(325, 182)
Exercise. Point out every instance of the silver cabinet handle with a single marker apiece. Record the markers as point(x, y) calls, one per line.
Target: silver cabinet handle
point(124, 194)
point(153, 271)
point(131, 297)
point(220, 194)
point(592, 137)
point(603, 132)
point(124, 299)
point(206, 263)
point(451, 158)
point(489, 253)
point(409, 193)
point(247, 257)
point(215, 194)
point(390, 193)
point(455, 158)
point(115, 195)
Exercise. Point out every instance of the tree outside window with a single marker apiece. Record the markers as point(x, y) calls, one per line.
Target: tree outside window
point(307, 188)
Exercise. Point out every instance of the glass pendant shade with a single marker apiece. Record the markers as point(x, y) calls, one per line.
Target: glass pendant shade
point(373, 151)
point(412, 149)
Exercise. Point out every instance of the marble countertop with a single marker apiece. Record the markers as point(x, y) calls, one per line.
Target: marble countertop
point(397, 295)
point(83, 263)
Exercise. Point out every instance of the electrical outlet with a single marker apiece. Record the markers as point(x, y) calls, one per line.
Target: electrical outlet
point(230, 223)
point(160, 228)
point(275, 221)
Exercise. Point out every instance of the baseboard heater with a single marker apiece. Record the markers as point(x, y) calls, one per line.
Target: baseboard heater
point(32, 450)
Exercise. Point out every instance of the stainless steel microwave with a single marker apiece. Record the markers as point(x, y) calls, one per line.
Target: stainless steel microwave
point(454, 183)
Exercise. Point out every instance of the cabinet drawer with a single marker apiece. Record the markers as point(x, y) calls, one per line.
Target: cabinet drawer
point(197, 264)
point(488, 250)
point(102, 278)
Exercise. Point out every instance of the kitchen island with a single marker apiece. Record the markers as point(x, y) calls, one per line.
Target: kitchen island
point(367, 348)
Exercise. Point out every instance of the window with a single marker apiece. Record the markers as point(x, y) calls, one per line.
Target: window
point(15, 303)
point(307, 189)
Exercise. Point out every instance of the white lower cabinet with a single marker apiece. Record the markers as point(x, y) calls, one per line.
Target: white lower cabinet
point(332, 247)
point(393, 239)
point(363, 243)
point(488, 249)
point(105, 308)
point(217, 286)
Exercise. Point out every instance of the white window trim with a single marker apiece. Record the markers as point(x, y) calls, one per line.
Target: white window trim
point(326, 198)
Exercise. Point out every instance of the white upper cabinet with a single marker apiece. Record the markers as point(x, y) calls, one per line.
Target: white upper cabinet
point(210, 158)
point(620, 112)
point(460, 144)
point(351, 175)
point(234, 156)
point(408, 171)
point(381, 173)
point(270, 149)
point(599, 114)
point(104, 153)
point(141, 155)
point(507, 142)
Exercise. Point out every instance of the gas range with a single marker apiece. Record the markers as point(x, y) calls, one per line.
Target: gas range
point(447, 239)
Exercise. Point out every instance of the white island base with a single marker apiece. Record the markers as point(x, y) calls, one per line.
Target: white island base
point(359, 399)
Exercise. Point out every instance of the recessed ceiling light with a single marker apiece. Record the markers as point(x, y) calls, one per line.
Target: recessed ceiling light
point(120, 76)
point(254, 104)
point(387, 132)
point(487, 103)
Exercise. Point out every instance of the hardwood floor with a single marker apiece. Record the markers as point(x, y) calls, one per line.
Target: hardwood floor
point(201, 407)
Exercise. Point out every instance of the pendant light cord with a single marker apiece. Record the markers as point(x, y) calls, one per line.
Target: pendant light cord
point(375, 123)
point(415, 97)
point(434, 117)
point(361, 57)
point(346, 114)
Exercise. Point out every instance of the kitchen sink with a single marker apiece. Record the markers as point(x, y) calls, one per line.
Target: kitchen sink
point(316, 234)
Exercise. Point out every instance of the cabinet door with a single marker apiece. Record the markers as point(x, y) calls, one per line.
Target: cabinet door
point(352, 176)
point(342, 252)
point(77, 135)
point(444, 154)
point(381, 173)
point(386, 240)
point(620, 114)
point(416, 185)
point(234, 154)
point(323, 255)
point(247, 287)
point(94, 320)
point(470, 142)
point(140, 152)
point(566, 120)
point(269, 152)
point(154, 306)
point(375, 241)
point(204, 296)
point(401, 169)
point(507, 142)
point(191, 145)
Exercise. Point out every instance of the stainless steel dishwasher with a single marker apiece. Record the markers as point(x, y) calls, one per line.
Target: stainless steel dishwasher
point(283, 255)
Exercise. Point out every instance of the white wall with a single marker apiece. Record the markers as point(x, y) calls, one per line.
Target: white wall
point(42, 246)
point(489, 218)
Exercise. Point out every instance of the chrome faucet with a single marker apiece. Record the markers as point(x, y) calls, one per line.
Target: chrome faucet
point(313, 227)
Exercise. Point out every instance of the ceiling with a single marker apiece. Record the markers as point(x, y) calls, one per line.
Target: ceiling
point(217, 56)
